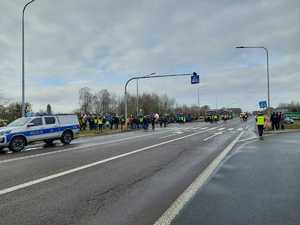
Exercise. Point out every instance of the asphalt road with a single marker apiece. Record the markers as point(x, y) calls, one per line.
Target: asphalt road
point(257, 184)
point(129, 178)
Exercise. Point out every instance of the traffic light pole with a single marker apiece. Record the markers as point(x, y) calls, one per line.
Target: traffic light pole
point(147, 77)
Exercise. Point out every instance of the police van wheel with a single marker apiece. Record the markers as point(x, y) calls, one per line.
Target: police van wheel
point(17, 144)
point(67, 137)
point(49, 142)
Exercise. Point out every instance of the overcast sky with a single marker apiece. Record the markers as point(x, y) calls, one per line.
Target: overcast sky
point(71, 44)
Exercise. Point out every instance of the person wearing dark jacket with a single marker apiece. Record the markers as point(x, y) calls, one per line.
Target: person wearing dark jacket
point(273, 120)
point(153, 122)
point(278, 118)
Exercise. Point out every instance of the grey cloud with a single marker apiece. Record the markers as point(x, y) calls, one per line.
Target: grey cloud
point(83, 40)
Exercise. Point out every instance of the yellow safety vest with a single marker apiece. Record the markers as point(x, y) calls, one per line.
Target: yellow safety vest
point(260, 120)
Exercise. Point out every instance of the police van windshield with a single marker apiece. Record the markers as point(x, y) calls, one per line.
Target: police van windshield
point(19, 122)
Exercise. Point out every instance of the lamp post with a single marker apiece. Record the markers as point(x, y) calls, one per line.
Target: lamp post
point(137, 93)
point(23, 69)
point(268, 75)
point(147, 77)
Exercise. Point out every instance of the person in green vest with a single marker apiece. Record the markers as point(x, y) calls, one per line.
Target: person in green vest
point(260, 123)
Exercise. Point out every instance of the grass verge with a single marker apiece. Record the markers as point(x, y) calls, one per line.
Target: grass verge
point(295, 125)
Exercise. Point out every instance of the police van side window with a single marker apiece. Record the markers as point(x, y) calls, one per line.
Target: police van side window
point(49, 120)
point(37, 121)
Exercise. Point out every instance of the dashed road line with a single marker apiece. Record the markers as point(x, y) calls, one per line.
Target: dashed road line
point(212, 136)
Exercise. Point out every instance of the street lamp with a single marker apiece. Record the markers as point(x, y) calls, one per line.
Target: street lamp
point(268, 75)
point(23, 69)
point(137, 92)
point(147, 77)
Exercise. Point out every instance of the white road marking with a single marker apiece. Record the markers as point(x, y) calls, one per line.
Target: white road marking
point(176, 133)
point(198, 183)
point(254, 137)
point(30, 149)
point(213, 128)
point(204, 128)
point(53, 176)
point(222, 128)
point(212, 136)
point(240, 129)
point(230, 129)
point(73, 149)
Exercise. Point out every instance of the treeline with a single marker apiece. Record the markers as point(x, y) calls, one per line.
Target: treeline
point(12, 111)
point(291, 107)
point(105, 102)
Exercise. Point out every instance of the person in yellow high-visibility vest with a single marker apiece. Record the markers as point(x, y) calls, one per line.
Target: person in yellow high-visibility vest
point(260, 123)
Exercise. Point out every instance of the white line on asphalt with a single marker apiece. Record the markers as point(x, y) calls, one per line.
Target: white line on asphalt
point(230, 129)
point(171, 135)
point(204, 128)
point(176, 133)
point(222, 128)
point(212, 136)
point(73, 149)
point(240, 129)
point(213, 128)
point(197, 184)
point(253, 138)
point(53, 176)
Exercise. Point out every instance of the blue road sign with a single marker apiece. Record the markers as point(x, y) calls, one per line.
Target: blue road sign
point(263, 104)
point(195, 78)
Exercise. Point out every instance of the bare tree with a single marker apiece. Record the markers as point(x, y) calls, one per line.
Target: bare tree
point(85, 99)
point(105, 100)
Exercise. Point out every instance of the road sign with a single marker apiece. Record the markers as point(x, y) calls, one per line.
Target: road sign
point(263, 104)
point(195, 78)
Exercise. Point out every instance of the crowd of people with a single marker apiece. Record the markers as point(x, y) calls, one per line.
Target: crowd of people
point(277, 120)
point(97, 122)
point(108, 121)
point(143, 122)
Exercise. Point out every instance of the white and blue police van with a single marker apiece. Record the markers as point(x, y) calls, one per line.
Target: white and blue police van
point(47, 128)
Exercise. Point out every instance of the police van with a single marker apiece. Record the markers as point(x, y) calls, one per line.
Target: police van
point(47, 128)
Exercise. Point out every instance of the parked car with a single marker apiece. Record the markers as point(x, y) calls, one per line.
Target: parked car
point(288, 120)
point(26, 130)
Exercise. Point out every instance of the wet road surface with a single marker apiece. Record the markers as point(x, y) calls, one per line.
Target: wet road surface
point(258, 183)
point(128, 178)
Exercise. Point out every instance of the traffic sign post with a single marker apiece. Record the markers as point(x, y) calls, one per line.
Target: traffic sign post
point(263, 104)
point(195, 78)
